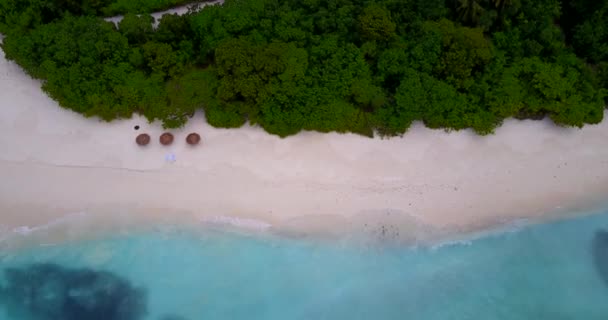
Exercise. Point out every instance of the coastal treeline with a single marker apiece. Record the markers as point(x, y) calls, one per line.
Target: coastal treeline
point(326, 65)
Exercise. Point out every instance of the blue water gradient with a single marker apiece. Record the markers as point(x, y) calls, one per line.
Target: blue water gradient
point(546, 271)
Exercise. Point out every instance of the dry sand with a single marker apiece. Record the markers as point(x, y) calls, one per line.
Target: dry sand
point(54, 163)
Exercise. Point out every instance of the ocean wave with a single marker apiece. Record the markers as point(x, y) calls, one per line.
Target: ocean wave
point(7, 234)
point(26, 230)
point(243, 223)
point(512, 226)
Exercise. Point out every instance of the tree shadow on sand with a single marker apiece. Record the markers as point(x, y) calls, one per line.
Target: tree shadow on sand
point(48, 291)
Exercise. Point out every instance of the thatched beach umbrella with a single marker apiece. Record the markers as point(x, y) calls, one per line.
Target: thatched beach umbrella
point(142, 139)
point(193, 138)
point(166, 139)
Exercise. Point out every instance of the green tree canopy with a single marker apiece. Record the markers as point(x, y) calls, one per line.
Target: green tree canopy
point(376, 24)
point(333, 65)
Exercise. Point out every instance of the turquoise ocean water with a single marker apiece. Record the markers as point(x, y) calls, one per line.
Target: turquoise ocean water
point(557, 270)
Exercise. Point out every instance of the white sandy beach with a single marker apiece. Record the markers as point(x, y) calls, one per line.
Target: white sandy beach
point(55, 163)
point(176, 10)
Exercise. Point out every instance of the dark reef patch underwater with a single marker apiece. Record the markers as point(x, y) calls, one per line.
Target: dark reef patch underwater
point(556, 270)
point(49, 291)
point(600, 253)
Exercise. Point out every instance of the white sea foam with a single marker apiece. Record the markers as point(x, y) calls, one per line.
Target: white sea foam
point(27, 230)
point(509, 227)
point(452, 243)
point(244, 223)
point(4, 233)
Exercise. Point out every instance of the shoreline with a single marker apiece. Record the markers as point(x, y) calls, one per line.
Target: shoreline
point(76, 227)
point(424, 184)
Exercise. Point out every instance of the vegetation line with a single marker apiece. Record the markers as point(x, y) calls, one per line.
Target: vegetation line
point(327, 65)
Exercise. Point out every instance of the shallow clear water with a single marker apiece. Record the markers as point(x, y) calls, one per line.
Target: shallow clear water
point(549, 271)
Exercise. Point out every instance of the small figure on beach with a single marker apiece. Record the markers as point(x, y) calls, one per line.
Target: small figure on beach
point(170, 157)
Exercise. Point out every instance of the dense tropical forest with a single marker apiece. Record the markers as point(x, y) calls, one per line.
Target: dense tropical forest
point(363, 66)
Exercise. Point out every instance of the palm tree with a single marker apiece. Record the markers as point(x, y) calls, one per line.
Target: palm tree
point(469, 11)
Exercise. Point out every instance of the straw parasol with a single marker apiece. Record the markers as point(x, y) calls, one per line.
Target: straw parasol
point(142, 139)
point(193, 138)
point(166, 139)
